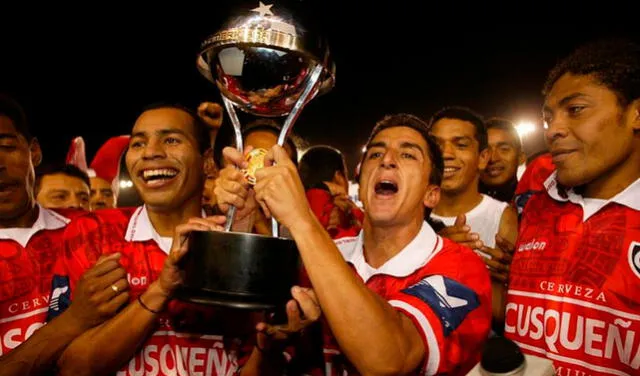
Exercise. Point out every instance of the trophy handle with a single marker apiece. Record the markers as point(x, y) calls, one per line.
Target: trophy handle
point(288, 123)
point(239, 145)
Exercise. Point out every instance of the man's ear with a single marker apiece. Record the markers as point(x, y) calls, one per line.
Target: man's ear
point(36, 152)
point(432, 196)
point(483, 160)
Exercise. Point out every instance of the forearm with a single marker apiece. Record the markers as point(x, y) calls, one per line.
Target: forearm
point(38, 355)
point(368, 329)
point(104, 349)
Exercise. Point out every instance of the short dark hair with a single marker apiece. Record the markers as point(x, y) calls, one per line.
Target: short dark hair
point(64, 169)
point(319, 164)
point(464, 114)
point(433, 150)
point(417, 124)
point(615, 63)
point(10, 108)
point(201, 130)
point(226, 137)
point(507, 126)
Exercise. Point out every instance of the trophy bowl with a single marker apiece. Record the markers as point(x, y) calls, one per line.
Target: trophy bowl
point(266, 63)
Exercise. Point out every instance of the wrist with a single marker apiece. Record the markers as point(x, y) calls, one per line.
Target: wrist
point(304, 224)
point(155, 298)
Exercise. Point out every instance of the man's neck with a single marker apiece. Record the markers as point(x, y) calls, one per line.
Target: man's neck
point(24, 220)
point(615, 180)
point(165, 221)
point(382, 243)
point(454, 204)
point(504, 192)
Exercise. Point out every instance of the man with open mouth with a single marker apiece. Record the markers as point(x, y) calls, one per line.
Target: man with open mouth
point(397, 299)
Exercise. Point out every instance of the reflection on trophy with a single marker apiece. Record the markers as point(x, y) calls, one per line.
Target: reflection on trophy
point(267, 63)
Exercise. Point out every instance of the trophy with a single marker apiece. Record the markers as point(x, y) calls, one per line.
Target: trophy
point(265, 62)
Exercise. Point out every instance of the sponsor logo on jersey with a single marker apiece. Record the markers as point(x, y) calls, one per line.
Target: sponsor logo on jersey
point(532, 245)
point(574, 332)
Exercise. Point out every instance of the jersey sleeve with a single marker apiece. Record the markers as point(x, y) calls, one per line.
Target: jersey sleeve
point(81, 250)
point(452, 317)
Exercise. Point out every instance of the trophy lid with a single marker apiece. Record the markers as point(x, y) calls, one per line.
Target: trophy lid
point(263, 56)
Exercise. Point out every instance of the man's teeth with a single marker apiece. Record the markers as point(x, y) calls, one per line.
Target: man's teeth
point(159, 173)
point(450, 169)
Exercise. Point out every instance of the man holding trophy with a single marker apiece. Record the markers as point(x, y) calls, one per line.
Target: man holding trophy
point(405, 301)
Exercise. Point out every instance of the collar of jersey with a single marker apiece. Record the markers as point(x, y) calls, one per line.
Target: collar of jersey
point(629, 197)
point(47, 220)
point(412, 257)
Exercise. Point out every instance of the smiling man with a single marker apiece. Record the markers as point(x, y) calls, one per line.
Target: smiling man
point(481, 222)
point(573, 292)
point(499, 179)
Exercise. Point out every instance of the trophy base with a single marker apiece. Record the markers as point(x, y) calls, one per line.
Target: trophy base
point(239, 270)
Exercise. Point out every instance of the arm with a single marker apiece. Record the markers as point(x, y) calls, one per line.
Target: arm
point(375, 337)
point(267, 357)
point(104, 349)
point(95, 301)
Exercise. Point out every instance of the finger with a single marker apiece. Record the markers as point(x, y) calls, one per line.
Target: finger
point(233, 156)
point(108, 292)
point(277, 155)
point(104, 268)
point(261, 192)
point(211, 224)
point(110, 278)
point(461, 220)
point(308, 303)
point(496, 265)
point(112, 256)
point(237, 187)
point(294, 319)
point(225, 199)
point(504, 244)
point(111, 307)
point(498, 255)
point(498, 276)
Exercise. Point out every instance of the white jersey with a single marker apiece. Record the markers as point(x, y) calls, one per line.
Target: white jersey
point(484, 219)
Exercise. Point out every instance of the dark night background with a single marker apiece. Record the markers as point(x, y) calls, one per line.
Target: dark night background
point(89, 73)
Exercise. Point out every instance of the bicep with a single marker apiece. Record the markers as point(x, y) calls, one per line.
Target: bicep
point(509, 224)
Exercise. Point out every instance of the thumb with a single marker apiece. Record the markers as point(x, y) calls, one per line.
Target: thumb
point(461, 220)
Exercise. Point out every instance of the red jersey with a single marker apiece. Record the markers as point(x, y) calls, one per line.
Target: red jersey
point(574, 289)
point(450, 305)
point(188, 337)
point(27, 257)
point(322, 204)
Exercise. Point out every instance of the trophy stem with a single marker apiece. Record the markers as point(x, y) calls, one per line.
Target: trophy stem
point(293, 116)
point(239, 145)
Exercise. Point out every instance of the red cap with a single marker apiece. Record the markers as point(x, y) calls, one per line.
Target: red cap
point(107, 158)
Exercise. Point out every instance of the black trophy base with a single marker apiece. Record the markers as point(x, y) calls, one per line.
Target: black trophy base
point(239, 270)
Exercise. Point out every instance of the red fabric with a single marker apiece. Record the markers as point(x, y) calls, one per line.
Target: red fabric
point(25, 284)
point(107, 158)
point(574, 290)
point(458, 338)
point(188, 338)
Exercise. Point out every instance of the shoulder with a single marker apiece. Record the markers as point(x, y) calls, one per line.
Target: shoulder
point(460, 263)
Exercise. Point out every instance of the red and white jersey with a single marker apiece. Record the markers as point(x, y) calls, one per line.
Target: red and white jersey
point(443, 287)
point(188, 338)
point(574, 289)
point(27, 257)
